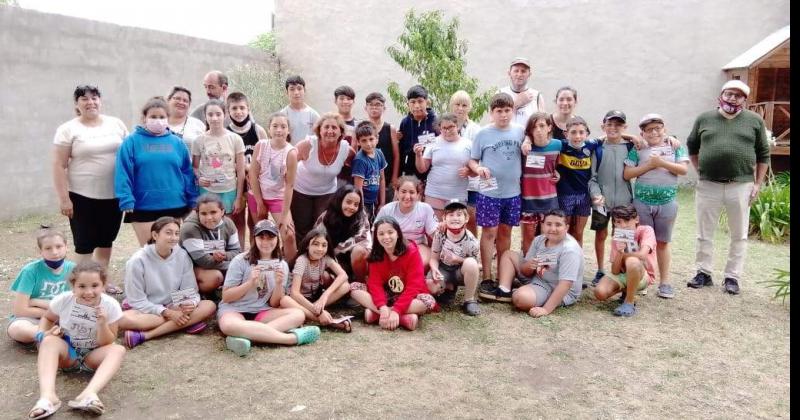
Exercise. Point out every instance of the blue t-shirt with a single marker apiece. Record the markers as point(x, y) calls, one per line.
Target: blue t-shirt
point(369, 168)
point(499, 151)
point(38, 281)
point(575, 168)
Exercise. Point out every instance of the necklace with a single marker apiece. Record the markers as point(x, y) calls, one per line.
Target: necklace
point(325, 161)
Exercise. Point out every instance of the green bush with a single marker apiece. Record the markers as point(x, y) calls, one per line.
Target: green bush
point(770, 212)
point(263, 84)
point(781, 284)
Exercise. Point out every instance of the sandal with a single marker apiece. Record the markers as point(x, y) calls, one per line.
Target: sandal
point(196, 328)
point(626, 309)
point(91, 405)
point(344, 325)
point(113, 290)
point(47, 408)
point(306, 335)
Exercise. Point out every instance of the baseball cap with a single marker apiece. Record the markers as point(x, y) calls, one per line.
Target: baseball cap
point(738, 85)
point(651, 118)
point(265, 225)
point(455, 203)
point(615, 113)
point(520, 60)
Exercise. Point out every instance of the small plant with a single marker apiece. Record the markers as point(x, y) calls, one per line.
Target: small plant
point(781, 284)
point(263, 84)
point(770, 212)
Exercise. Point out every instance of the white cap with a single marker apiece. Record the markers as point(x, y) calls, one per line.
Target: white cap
point(738, 85)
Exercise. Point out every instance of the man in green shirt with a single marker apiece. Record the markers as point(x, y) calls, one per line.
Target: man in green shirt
point(728, 147)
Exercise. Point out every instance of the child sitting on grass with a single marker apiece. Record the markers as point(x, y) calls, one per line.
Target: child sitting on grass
point(36, 284)
point(633, 260)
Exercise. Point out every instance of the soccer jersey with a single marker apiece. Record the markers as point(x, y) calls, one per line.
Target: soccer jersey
point(575, 168)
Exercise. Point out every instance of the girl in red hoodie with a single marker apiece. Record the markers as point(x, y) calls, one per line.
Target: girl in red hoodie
point(396, 292)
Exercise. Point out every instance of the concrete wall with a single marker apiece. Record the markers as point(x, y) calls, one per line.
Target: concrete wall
point(44, 56)
point(639, 56)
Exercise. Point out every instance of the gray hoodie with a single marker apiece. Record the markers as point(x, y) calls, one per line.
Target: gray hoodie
point(150, 279)
point(197, 240)
point(607, 180)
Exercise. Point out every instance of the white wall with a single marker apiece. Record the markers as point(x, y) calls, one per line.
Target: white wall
point(44, 56)
point(638, 56)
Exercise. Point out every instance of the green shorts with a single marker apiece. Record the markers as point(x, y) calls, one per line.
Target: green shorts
point(622, 280)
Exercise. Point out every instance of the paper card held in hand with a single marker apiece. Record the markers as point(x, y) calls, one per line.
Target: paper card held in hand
point(601, 209)
point(535, 161)
point(185, 295)
point(82, 326)
point(426, 139)
point(215, 245)
point(628, 237)
point(488, 184)
point(662, 151)
point(547, 259)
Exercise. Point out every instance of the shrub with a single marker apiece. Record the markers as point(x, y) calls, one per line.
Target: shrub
point(781, 284)
point(770, 212)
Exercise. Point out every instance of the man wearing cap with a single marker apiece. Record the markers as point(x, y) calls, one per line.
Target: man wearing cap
point(729, 149)
point(526, 100)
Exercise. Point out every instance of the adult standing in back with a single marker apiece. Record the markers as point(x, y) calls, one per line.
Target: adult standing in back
point(216, 85)
point(319, 161)
point(83, 175)
point(180, 123)
point(729, 149)
point(527, 101)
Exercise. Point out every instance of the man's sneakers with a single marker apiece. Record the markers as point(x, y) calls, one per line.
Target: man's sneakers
point(700, 280)
point(495, 294)
point(731, 286)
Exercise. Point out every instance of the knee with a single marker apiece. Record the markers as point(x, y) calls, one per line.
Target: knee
point(469, 264)
point(359, 253)
point(117, 350)
point(602, 293)
point(298, 316)
point(344, 288)
point(633, 263)
point(523, 299)
point(286, 302)
point(207, 306)
point(510, 256)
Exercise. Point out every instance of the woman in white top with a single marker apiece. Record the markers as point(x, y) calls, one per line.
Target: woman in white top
point(83, 175)
point(319, 161)
point(180, 122)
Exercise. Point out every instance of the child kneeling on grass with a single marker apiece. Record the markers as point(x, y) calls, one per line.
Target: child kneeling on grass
point(77, 333)
point(36, 285)
point(633, 260)
point(454, 259)
point(395, 293)
point(311, 288)
point(551, 272)
point(252, 293)
point(161, 289)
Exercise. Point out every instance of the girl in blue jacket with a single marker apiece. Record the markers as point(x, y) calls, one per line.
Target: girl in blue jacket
point(153, 175)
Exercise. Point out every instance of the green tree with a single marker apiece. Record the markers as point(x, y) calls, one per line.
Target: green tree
point(265, 42)
point(9, 3)
point(262, 83)
point(431, 52)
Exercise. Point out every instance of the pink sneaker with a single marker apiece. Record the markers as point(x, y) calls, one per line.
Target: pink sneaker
point(409, 321)
point(196, 328)
point(371, 317)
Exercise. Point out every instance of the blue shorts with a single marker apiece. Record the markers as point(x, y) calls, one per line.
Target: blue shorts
point(493, 211)
point(575, 204)
point(228, 198)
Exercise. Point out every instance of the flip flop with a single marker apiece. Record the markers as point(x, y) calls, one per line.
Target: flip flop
point(345, 326)
point(91, 405)
point(113, 290)
point(47, 407)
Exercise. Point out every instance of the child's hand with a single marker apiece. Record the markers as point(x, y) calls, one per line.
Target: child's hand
point(392, 321)
point(319, 305)
point(187, 307)
point(619, 245)
point(463, 171)
point(655, 162)
point(484, 172)
point(599, 201)
point(555, 178)
point(237, 206)
point(525, 148)
point(177, 317)
point(204, 182)
point(419, 148)
point(218, 256)
point(55, 331)
point(538, 312)
point(674, 142)
point(66, 208)
point(255, 275)
point(101, 315)
point(325, 317)
point(529, 267)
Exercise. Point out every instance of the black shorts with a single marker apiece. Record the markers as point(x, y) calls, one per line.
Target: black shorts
point(599, 222)
point(95, 222)
point(145, 216)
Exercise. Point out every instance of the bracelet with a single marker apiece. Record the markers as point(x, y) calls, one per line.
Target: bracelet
point(38, 337)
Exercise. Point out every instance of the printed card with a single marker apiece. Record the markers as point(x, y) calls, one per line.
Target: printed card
point(535, 161)
point(602, 210)
point(215, 245)
point(487, 184)
point(426, 139)
point(185, 295)
point(547, 260)
point(341, 319)
point(625, 235)
point(662, 151)
point(82, 326)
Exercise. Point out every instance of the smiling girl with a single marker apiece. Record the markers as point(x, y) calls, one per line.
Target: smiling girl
point(416, 219)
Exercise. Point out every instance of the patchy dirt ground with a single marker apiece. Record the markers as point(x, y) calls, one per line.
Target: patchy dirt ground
point(704, 354)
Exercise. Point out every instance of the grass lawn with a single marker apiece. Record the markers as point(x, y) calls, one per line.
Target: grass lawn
point(704, 354)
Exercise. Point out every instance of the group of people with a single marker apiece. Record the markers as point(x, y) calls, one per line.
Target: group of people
point(361, 213)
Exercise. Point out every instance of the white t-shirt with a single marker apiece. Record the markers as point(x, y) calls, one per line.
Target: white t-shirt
point(79, 321)
point(524, 112)
point(93, 155)
point(218, 159)
point(189, 130)
point(414, 224)
point(300, 122)
point(446, 159)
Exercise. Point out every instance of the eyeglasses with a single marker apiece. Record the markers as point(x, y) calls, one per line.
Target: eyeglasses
point(448, 127)
point(653, 129)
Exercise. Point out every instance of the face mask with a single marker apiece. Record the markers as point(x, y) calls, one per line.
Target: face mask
point(729, 108)
point(455, 231)
point(54, 264)
point(156, 126)
point(242, 123)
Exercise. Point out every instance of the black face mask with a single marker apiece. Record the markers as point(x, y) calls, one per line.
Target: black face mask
point(243, 123)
